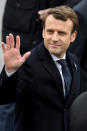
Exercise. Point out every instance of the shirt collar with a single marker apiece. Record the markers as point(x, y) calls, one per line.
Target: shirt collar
point(56, 58)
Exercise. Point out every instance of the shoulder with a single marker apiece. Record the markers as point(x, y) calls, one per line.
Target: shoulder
point(35, 54)
point(78, 113)
point(81, 100)
point(73, 57)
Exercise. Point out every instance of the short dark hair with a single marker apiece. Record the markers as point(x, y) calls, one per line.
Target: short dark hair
point(62, 13)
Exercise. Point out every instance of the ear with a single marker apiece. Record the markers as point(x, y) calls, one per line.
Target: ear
point(43, 33)
point(73, 36)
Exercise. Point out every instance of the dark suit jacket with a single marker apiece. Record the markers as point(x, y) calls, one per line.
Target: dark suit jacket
point(78, 113)
point(39, 94)
point(79, 47)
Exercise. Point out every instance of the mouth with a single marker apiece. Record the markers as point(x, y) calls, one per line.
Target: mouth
point(55, 45)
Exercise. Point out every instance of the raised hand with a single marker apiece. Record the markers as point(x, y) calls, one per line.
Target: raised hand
point(11, 51)
point(41, 13)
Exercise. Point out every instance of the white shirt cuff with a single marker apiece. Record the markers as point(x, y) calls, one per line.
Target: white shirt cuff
point(9, 74)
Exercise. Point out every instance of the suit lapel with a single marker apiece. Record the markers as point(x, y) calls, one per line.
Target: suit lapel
point(75, 75)
point(50, 66)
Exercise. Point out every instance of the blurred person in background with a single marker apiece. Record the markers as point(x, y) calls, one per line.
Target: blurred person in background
point(23, 18)
point(78, 111)
point(79, 46)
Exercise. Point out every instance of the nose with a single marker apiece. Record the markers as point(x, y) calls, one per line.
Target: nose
point(55, 36)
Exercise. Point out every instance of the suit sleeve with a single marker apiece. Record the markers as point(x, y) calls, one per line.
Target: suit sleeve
point(24, 80)
point(7, 88)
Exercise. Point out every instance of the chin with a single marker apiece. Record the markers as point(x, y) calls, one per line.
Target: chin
point(53, 51)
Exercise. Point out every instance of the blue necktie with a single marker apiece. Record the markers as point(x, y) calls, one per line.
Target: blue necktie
point(67, 76)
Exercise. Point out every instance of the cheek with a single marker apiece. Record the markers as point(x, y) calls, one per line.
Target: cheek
point(46, 36)
point(66, 42)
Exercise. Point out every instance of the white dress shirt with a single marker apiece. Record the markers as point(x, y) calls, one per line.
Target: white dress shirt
point(59, 67)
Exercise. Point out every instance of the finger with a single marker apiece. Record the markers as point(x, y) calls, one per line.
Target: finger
point(7, 42)
point(3, 47)
point(11, 40)
point(18, 42)
point(41, 17)
point(40, 12)
point(26, 55)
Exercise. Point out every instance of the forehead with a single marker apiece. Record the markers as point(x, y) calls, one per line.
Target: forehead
point(53, 23)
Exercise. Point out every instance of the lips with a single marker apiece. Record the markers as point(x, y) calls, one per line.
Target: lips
point(55, 45)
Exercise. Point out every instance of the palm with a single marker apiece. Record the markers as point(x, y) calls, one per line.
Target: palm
point(12, 58)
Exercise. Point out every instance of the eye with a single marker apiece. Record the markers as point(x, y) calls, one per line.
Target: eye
point(50, 31)
point(62, 33)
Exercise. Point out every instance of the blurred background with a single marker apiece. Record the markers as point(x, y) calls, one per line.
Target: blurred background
point(2, 3)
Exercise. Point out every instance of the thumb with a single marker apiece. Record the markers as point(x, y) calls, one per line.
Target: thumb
point(26, 55)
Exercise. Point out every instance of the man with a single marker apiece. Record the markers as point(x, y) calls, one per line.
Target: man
point(25, 18)
point(42, 102)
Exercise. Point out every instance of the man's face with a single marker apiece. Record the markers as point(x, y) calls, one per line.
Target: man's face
point(57, 35)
